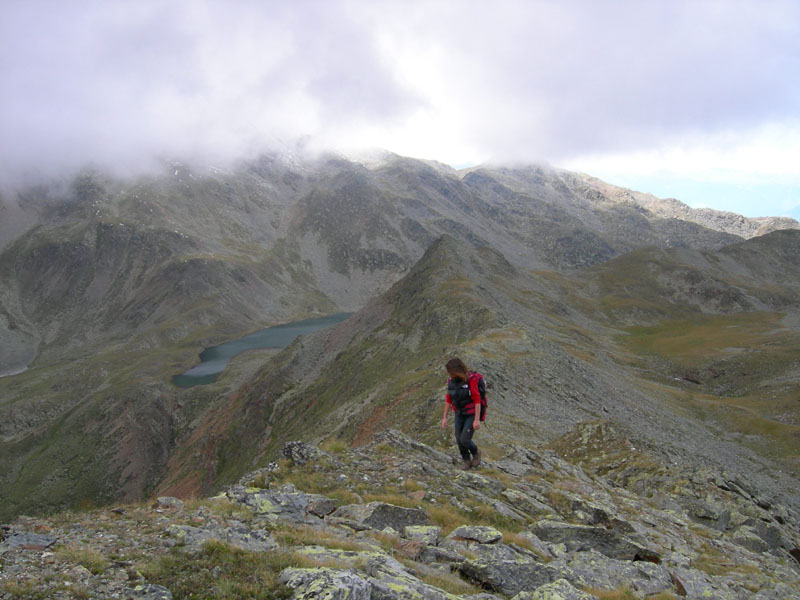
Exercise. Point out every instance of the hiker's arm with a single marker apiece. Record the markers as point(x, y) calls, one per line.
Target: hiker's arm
point(475, 394)
point(447, 406)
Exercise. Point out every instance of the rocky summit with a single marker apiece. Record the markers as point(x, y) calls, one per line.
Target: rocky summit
point(586, 517)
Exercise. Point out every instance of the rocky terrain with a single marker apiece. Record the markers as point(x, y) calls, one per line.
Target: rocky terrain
point(569, 295)
point(590, 516)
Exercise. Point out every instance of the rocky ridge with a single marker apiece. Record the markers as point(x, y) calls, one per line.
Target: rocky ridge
point(589, 516)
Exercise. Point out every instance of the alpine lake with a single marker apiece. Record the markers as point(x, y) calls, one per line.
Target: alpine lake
point(214, 360)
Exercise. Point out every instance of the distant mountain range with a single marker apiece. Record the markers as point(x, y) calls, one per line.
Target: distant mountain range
point(577, 299)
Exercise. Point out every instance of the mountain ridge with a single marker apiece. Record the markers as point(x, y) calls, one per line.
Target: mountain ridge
point(157, 269)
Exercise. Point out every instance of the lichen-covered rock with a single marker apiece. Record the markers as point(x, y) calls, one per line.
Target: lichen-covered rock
point(147, 591)
point(561, 589)
point(325, 584)
point(709, 514)
point(252, 540)
point(391, 581)
point(526, 503)
point(781, 591)
point(747, 537)
point(388, 578)
point(380, 515)
point(510, 576)
point(284, 503)
point(473, 481)
point(343, 558)
point(593, 569)
point(424, 533)
point(694, 585)
point(168, 503)
point(475, 533)
point(320, 506)
point(398, 439)
point(301, 453)
point(585, 537)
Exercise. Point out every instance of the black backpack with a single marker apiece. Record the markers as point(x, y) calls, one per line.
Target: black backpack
point(482, 390)
point(460, 400)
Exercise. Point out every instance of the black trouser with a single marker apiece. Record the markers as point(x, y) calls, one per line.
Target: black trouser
point(464, 433)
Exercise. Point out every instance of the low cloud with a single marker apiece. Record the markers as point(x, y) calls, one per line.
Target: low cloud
point(121, 83)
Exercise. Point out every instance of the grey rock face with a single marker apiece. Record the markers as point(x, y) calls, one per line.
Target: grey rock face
point(508, 577)
point(560, 589)
point(301, 453)
point(482, 535)
point(584, 537)
point(379, 515)
point(148, 591)
point(285, 502)
point(27, 541)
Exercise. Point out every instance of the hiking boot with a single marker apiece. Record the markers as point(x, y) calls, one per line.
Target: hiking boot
point(476, 459)
point(466, 464)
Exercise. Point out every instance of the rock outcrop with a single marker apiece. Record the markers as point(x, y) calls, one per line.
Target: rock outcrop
point(353, 525)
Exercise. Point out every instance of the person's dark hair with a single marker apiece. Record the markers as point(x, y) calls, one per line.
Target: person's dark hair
point(457, 369)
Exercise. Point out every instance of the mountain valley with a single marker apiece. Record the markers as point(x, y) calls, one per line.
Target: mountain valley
point(580, 302)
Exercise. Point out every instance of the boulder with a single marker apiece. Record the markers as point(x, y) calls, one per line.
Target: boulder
point(424, 533)
point(527, 504)
point(475, 533)
point(509, 576)
point(148, 591)
point(690, 583)
point(747, 537)
point(27, 541)
point(473, 481)
point(285, 503)
point(387, 578)
point(586, 537)
point(398, 439)
point(168, 503)
point(380, 515)
point(595, 570)
point(390, 581)
point(561, 589)
point(325, 584)
point(301, 453)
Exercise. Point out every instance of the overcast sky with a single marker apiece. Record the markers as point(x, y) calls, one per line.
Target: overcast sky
point(693, 99)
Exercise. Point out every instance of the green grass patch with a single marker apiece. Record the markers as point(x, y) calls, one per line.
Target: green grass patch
point(89, 558)
point(222, 572)
point(712, 337)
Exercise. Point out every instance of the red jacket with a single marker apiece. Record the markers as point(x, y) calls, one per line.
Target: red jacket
point(474, 393)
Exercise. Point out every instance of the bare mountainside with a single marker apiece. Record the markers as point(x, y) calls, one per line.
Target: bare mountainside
point(118, 285)
point(556, 351)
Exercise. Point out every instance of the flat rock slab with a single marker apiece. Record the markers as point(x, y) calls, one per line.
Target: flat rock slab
point(579, 538)
point(27, 541)
point(379, 515)
point(148, 591)
point(560, 589)
point(475, 533)
point(508, 577)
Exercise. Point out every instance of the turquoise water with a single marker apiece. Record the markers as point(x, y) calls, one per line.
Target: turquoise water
point(214, 360)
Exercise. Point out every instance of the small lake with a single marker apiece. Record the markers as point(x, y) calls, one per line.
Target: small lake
point(214, 360)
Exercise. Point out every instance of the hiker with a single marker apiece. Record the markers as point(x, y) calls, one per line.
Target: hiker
point(464, 398)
